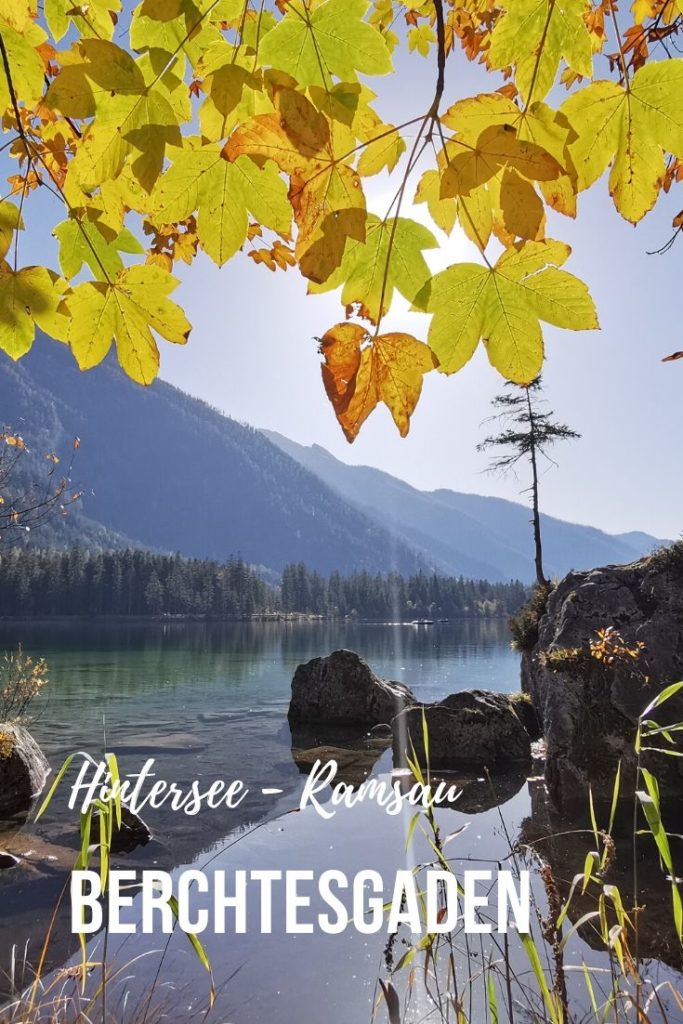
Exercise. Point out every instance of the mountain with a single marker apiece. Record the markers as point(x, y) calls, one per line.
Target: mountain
point(467, 533)
point(164, 470)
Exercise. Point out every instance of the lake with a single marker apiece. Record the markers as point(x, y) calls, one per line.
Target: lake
point(209, 701)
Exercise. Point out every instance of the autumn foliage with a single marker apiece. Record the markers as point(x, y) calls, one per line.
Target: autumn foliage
point(232, 126)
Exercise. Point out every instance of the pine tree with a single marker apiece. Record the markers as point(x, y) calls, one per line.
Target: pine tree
point(527, 433)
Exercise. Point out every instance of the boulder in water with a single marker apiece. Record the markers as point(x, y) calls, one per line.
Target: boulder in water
point(23, 769)
point(474, 727)
point(133, 832)
point(342, 689)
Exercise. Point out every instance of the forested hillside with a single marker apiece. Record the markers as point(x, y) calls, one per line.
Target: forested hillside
point(170, 473)
point(163, 471)
point(46, 584)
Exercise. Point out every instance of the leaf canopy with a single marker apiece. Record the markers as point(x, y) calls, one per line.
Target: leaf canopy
point(165, 129)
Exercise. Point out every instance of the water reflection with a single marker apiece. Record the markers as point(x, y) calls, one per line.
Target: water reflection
point(206, 701)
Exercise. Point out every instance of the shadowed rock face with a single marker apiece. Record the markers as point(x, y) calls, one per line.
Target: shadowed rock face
point(23, 770)
point(589, 711)
point(474, 727)
point(342, 689)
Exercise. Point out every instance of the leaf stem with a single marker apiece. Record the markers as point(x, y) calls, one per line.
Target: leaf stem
point(13, 95)
point(431, 117)
point(622, 56)
point(541, 45)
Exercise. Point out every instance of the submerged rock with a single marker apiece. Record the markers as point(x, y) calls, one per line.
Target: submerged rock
point(38, 856)
point(474, 727)
point(23, 769)
point(133, 832)
point(342, 689)
point(353, 765)
point(589, 710)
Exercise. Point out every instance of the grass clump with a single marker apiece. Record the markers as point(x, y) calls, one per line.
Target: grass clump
point(565, 659)
point(524, 624)
point(669, 558)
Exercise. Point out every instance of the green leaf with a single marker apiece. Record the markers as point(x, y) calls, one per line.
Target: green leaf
point(134, 119)
point(93, 322)
point(198, 948)
point(223, 193)
point(82, 242)
point(28, 297)
point(134, 306)
point(548, 997)
point(330, 40)
point(411, 827)
point(491, 996)
point(631, 130)
point(235, 94)
point(535, 35)
point(28, 73)
point(666, 694)
point(113, 765)
point(406, 960)
point(10, 221)
point(615, 801)
point(56, 17)
point(188, 33)
point(142, 306)
point(363, 266)
point(649, 801)
point(58, 778)
point(503, 306)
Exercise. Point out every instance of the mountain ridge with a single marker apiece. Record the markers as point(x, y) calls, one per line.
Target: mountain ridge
point(463, 530)
point(166, 471)
point(171, 473)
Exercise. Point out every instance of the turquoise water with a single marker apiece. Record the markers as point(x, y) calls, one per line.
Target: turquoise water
point(208, 702)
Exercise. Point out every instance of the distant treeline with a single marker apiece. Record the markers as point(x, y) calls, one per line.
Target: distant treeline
point(46, 583)
point(394, 597)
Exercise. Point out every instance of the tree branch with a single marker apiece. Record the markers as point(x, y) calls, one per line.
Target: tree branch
point(13, 97)
point(441, 59)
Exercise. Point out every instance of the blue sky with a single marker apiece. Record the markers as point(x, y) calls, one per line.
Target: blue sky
point(252, 354)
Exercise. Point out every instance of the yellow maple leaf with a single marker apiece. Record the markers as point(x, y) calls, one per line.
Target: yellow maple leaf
point(361, 370)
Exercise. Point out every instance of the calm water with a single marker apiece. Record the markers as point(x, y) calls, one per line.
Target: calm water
point(210, 702)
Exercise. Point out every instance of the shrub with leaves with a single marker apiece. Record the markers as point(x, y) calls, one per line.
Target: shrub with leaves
point(21, 680)
point(32, 487)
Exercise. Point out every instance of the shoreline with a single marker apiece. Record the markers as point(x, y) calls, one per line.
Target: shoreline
point(261, 618)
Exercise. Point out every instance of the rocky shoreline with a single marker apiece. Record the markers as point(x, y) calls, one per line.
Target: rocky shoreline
point(610, 640)
point(606, 643)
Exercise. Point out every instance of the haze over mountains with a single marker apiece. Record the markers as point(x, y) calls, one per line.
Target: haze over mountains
point(163, 470)
point(467, 533)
